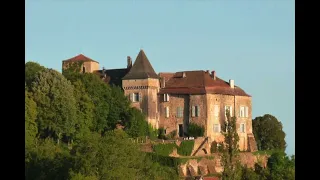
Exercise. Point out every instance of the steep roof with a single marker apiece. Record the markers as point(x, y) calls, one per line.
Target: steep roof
point(199, 82)
point(141, 69)
point(113, 76)
point(80, 57)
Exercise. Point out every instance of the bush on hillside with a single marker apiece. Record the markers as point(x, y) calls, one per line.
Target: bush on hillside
point(164, 149)
point(194, 130)
point(185, 148)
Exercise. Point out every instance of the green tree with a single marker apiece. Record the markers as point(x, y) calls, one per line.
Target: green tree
point(112, 156)
point(269, 133)
point(30, 120)
point(56, 105)
point(100, 94)
point(120, 106)
point(48, 161)
point(281, 167)
point(31, 71)
point(136, 125)
point(84, 114)
point(230, 149)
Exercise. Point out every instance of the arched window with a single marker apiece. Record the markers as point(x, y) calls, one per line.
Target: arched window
point(83, 69)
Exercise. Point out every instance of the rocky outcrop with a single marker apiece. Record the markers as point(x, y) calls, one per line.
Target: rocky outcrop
point(212, 164)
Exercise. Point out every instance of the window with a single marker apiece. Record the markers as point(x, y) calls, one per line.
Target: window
point(242, 110)
point(167, 112)
point(246, 112)
point(179, 112)
point(216, 110)
point(216, 128)
point(135, 97)
point(166, 97)
point(242, 128)
point(195, 111)
point(228, 108)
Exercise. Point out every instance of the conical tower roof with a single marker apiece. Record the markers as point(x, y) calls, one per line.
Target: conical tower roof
point(141, 69)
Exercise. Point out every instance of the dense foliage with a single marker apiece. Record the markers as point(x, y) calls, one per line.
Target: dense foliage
point(279, 165)
point(71, 121)
point(164, 149)
point(185, 148)
point(268, 133)
point(195, 130)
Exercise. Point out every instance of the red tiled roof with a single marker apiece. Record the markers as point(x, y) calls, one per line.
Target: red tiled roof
point(80, 57)
point(199, 82)
point(166, 75)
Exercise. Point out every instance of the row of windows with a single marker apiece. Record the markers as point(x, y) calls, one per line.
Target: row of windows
point(195, 111)
point(217, 128)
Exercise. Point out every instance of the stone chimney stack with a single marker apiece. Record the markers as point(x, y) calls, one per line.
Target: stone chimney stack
point(231, 82)
point(163, 82)
point(214, 75)
point(129, 62)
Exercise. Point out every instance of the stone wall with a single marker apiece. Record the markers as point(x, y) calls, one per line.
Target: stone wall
point(212, 164)
point(235, 102)
point(147, 89)
point(172, 122)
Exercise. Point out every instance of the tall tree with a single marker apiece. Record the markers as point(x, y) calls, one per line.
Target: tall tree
point(230, 148)
point(31, 71)
point(100, 94)
point(30, 119)
point(269, 133)
point(136, 124)
point(55, 104)
point(84, 112)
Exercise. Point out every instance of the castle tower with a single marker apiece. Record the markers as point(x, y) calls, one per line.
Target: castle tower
point(87, 65)
point(141, 85)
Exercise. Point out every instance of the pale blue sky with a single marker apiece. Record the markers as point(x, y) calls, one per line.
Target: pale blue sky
point(250, 41)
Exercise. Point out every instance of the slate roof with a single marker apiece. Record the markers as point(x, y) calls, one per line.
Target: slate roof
point(113, 76)
point(141, 69)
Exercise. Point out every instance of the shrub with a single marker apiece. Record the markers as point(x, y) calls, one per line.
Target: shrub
point(172, 134)
point(161, 133)
point(185, 148)
point(194, 130)
point(214, 147)
point(164, 149)
point(153, 133)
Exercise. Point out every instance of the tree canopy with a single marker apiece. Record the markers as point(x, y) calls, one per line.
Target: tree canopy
point(70, 122)
point(269, 133)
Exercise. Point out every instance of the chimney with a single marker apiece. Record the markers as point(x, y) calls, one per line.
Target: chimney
point(129, 62)
point(231, 82)
point(213, 75)
point(163, 82)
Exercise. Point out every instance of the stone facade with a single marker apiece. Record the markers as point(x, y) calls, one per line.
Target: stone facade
point(147, 90)
point(174, 100)
point(88, 65)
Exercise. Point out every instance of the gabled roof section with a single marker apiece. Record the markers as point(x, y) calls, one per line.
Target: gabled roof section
point(141, 69)
point(80, 58)
point(199, 82)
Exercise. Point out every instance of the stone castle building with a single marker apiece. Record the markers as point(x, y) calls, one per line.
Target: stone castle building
point(174, 100)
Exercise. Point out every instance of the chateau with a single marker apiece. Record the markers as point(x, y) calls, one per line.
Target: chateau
point(174, 100)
